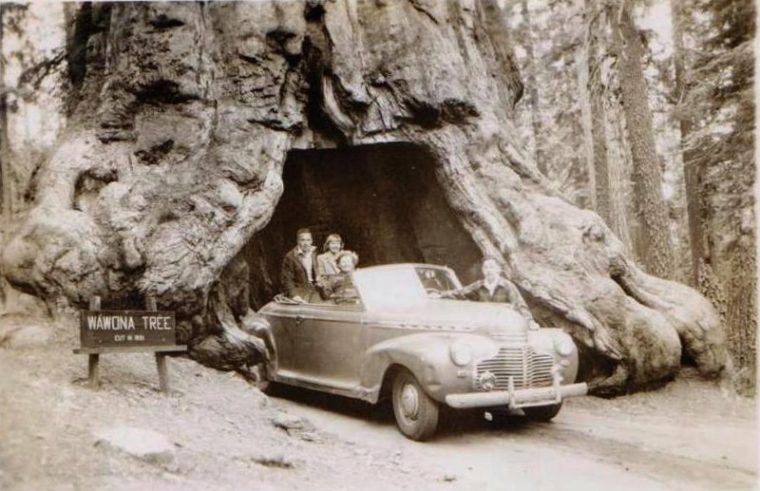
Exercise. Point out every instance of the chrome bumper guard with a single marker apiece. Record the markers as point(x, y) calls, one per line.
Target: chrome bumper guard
point(518, 398)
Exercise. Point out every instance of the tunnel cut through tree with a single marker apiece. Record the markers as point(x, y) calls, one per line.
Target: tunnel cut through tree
point(385, 202)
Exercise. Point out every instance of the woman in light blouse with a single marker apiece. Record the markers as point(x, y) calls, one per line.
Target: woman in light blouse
point(326, 262)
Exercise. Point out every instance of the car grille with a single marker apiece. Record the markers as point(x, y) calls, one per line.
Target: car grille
point(529, 369)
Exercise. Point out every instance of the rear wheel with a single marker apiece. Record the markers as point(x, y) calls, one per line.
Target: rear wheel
point(416, 412)
point(542, 413)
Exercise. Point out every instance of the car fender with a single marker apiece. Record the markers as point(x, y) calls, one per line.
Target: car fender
point(257, 325)
point(427, 356)
point(544, 339)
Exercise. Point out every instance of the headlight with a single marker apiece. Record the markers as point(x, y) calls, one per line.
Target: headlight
point(461, 354)
point(564, 345)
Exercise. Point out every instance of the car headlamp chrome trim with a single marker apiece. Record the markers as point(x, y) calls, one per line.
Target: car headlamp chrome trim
point(460, 353)
point(564, 345)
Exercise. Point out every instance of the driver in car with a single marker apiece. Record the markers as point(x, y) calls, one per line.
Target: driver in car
point(492, 288)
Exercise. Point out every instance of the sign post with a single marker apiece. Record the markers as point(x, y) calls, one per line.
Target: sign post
point(93, 360)
point(128, 331)
point(163, 374)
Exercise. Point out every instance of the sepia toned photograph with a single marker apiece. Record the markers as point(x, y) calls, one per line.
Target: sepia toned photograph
point(463, 245)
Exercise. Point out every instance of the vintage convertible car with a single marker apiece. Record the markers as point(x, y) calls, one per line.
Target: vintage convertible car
point(397, 340)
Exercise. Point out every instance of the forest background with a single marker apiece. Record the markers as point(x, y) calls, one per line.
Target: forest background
point(641, 111)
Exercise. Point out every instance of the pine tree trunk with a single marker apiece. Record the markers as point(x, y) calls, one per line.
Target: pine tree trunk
point(598, 135)
point(584, 100)
point(654, 243)
point(608, 178)
point(621, 167)
point(171, 168)
point(619, 189)
point(530, 77)
point(4, 167)
point(5, 179)
point(690, 162)
point(721, 219)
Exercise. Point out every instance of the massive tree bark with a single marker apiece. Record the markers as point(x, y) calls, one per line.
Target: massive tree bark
point(173, 160)
point(653, 243)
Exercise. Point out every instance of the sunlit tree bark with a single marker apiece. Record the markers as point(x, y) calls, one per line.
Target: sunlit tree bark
point(654, 244)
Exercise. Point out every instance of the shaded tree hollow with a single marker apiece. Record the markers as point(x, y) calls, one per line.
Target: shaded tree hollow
point(383, 199)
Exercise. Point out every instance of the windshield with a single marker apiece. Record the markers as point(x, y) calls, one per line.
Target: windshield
point(402, 285)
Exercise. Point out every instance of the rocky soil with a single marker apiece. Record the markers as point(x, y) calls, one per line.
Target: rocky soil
point(224, 433)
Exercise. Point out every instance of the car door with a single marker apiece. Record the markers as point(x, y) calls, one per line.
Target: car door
point(286, 323)
point(336, 340)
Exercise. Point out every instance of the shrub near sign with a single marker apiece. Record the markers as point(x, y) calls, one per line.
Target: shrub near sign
point(126, 328)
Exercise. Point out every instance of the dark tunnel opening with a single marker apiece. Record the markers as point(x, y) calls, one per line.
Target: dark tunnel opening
point(384, 200)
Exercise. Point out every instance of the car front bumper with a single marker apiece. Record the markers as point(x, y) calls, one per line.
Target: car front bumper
point(517, 398)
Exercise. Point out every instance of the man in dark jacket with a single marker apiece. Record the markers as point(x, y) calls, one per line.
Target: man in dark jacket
point(492, 288)
point(299, 273)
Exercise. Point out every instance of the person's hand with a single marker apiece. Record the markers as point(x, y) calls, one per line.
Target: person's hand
point(298, 299)
point(533, 325)
point(433, 292)
point(449, 294)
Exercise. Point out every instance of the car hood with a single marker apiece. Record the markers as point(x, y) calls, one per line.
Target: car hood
point(455, 314)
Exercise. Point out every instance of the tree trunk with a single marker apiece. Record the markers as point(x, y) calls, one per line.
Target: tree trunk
point(719, 184)
point(620, 168)
point(654, 243)
point(530, 76)
point(690, 160)
point(619, 189)
point(609, 181)
point(583, 69)
point(172, 165)
point(598, 136)
point(5, 179)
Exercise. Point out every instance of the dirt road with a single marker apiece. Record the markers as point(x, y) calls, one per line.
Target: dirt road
point(226, 435)
point(686, 436)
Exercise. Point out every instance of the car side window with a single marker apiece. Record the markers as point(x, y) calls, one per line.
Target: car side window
point(436, 279)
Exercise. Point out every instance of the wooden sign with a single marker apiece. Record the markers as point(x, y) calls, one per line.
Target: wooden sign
point(127, 328)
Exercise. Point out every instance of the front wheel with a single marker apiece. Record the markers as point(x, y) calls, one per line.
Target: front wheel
point(542, 413)
point(416, 412)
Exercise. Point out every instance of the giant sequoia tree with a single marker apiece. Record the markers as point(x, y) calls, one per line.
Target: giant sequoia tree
point(183, 116)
